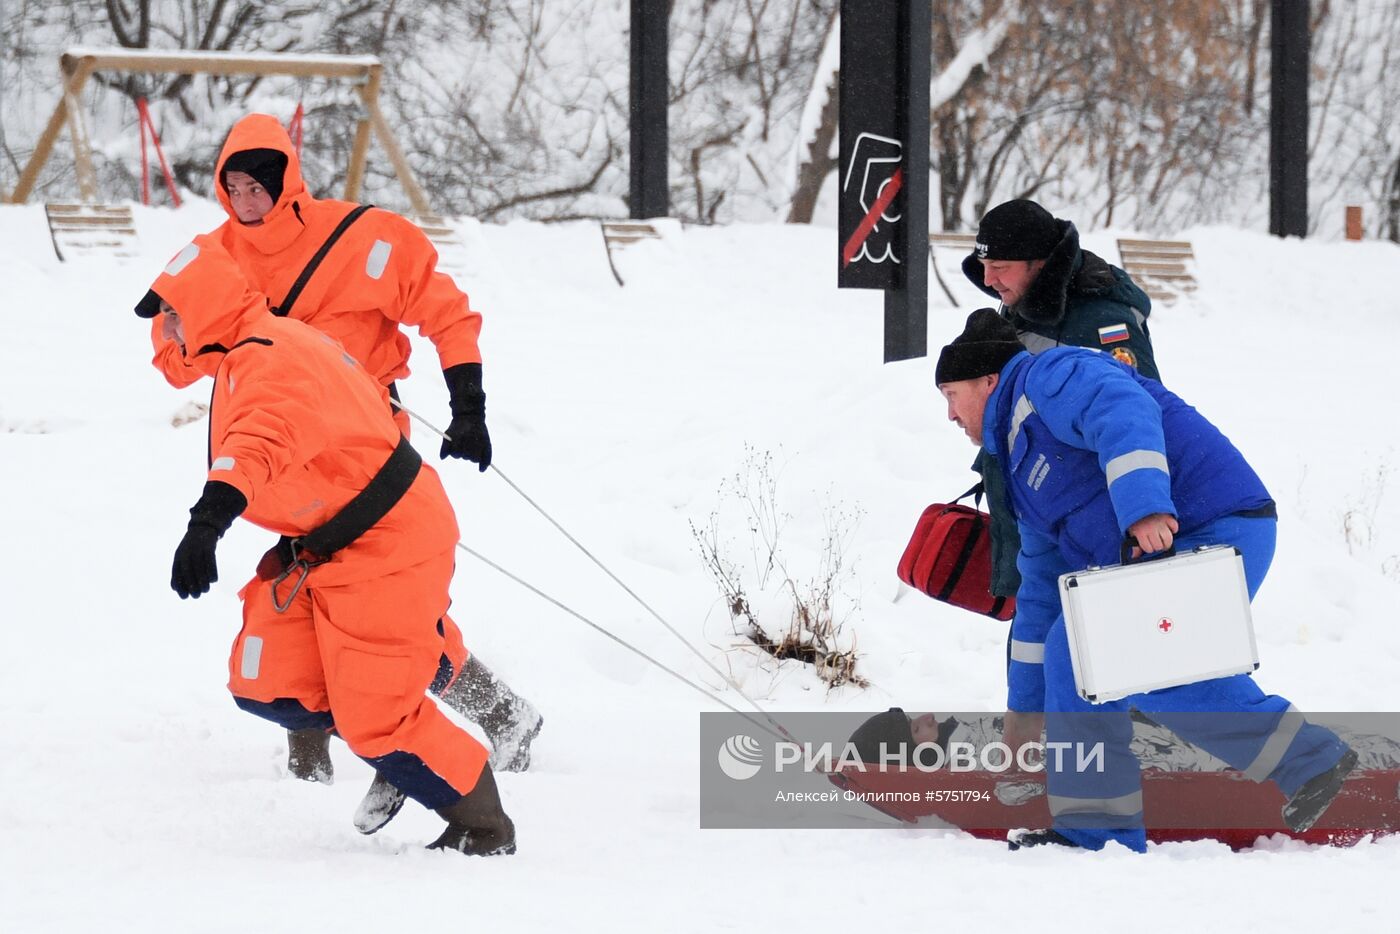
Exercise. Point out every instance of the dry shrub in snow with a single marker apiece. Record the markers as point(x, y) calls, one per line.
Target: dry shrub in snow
point(791, 608)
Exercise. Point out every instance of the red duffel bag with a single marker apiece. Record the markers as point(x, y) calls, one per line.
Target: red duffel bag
point(949, 557)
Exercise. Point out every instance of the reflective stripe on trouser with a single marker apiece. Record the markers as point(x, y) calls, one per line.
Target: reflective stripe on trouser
point(368, 653)
point(1231, 718)
point(1030, 653)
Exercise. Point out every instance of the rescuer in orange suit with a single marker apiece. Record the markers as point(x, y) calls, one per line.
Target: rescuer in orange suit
point(379, 274)
point(342, 628)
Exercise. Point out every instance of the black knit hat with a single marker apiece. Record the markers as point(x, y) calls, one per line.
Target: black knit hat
point(985, 345)
point(149, 306)
point(267, 166)
point(1017, 229)
point(890, 729)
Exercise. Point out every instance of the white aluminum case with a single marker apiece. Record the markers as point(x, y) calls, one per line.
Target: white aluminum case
point(1158, 623)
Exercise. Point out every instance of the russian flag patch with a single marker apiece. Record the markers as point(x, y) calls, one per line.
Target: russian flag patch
point(1113, 334)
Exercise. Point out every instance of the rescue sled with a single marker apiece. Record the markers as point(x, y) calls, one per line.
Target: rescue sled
point(1177, 806)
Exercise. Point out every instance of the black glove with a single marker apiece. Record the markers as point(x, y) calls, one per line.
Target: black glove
point(194, 568)
point(466, 435)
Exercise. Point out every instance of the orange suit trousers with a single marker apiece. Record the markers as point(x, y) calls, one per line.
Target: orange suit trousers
point(368, 654)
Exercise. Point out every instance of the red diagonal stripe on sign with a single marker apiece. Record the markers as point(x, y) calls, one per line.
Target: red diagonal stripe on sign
point(867, 224)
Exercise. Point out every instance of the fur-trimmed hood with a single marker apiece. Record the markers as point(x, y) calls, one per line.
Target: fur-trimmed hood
point(1068, 270)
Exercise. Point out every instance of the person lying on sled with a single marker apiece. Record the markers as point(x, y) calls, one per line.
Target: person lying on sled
point(896, 734)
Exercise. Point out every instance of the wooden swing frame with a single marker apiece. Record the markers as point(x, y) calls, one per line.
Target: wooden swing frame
point(78, 64)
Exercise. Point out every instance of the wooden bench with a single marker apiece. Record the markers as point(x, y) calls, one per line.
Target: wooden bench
point(82, 229)
point(959, 244)
point(452, 252)
point(962, 242)
point(1163, 268)
point(619, 235)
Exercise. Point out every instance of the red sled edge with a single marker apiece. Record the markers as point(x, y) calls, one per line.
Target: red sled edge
point(1178, 806)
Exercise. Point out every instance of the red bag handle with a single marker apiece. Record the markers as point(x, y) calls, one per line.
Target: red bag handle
point(976, 493)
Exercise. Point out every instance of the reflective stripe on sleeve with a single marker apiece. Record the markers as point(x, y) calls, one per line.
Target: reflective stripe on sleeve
point(1032, 653)
point(1276, 745)
point(1022, 411)
point(222, 463)
point(1135, 460)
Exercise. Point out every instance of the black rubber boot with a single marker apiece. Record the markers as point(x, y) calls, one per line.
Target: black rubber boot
point(1025, 839)
point(1307, 804)
point(509, 720)
point(378, 806)
point(309, 755)
point(477, 825)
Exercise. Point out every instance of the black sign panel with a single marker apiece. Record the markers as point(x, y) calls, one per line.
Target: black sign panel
point(872, 181)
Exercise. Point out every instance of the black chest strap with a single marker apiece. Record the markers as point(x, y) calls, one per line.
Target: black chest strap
point(368, 506)
point(384, 490)
point(294, 292)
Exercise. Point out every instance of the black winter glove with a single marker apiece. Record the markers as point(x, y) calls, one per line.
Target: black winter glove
point(194, 568)
point(467, 437)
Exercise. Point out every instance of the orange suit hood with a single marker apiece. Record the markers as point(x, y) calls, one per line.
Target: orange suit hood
point(283, 223)
point(380, 277)
point(207, 290)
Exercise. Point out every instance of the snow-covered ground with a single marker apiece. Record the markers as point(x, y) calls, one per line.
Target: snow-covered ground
point(135, 797)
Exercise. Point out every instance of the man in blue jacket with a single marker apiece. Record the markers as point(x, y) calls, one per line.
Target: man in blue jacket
point(1092, 452)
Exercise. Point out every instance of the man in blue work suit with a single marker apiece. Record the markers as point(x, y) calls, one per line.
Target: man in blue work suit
point(1092, 452)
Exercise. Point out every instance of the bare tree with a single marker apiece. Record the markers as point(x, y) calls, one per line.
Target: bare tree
point(820, 163)
point(1146, 113)
point(1390, 217)
point(1103, 104)
point(741, 73)
point(1354, 115)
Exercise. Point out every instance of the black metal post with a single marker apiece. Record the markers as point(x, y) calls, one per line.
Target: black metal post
point(1288, 118)
point(906, 309)
point(649, 194)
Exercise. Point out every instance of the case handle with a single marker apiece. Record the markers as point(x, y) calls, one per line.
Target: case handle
point(1130, 542)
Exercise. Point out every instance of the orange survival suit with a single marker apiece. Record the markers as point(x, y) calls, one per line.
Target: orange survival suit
point(298, 428)
point(380, 274)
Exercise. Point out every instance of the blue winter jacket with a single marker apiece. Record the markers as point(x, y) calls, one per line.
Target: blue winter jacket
point(1087, 447)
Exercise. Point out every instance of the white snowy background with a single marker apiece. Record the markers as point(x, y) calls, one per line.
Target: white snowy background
point(135, 797)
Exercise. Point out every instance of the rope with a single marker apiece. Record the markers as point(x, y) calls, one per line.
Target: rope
point(775, 725)
point(620, 641)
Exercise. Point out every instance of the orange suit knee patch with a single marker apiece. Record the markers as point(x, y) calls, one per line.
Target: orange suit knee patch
point(277, 655)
